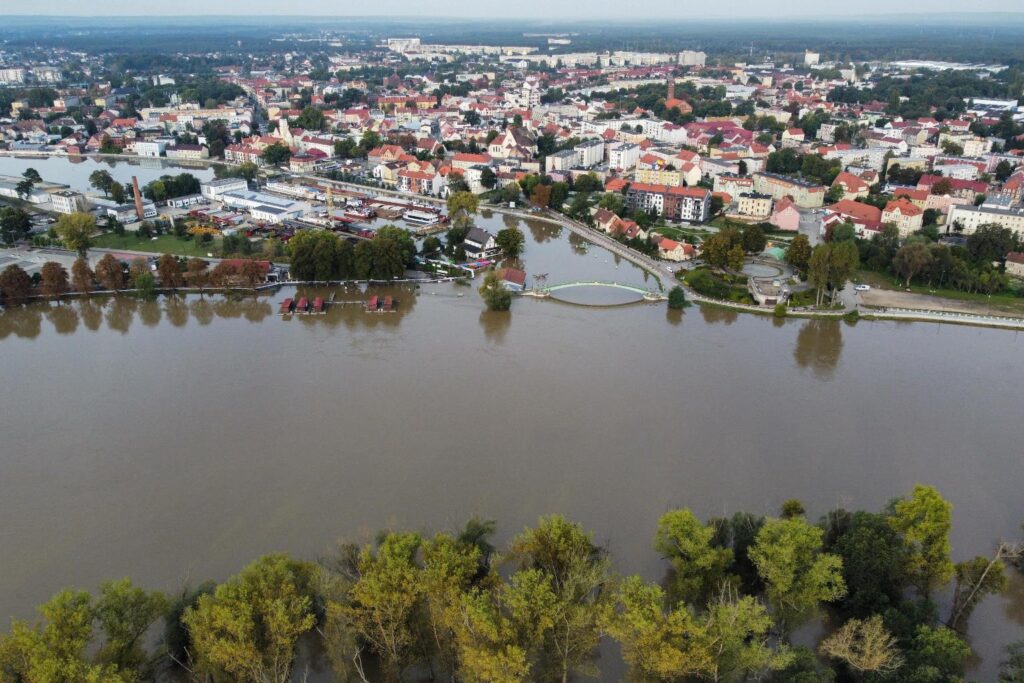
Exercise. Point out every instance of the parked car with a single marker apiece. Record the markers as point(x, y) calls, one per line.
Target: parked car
point(862, 288)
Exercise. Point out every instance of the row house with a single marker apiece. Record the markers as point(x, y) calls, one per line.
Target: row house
point(242, 153)
point(807, 195)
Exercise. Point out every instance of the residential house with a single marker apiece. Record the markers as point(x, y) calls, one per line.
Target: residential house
point(1015, 264)
point(852, 186)
point(670, 250)
point(479, 243)
point(754, 205)
point(907, 216)
point(786, 216)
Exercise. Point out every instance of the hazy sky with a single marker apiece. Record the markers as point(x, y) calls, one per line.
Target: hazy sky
point(540, 9)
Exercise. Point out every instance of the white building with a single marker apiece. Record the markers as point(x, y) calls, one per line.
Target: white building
point(589, 153)
point(213, 189)
point(623, 155)
point(692, 58)
point(67, 201)
point(529, 94)
point(153, 148)
point(12, 76)
point(811, 58)
point(970, 218)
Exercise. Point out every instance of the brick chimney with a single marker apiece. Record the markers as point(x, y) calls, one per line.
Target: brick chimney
point(138, 198)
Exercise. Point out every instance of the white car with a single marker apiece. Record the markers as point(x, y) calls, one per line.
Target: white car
point(862, 288)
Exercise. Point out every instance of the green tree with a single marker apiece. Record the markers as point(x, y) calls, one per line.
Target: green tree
point(248, 628)
point(738, 634)
point(754, 240)
point(76, 231)
point(311, 118)
point(125, 613)
point(54, 650)
point(736, 257)
point(1012, 668)
point(874, 560)
point(975, 579)
point(384, 599)
point(698, 566)
point(494, 293)
point(579, 575)
point(657, 644)
point(145, 284)
point(935, 654)
point(277, 153)
point(924, 521)
point(797, 574)
point(461, 208)
point(15, 224)
point(511, 242)
point(799, 253)
point(911, 259)
point(677, 298)
point(487, 178)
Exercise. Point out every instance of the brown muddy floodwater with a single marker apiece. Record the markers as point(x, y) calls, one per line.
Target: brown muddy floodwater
point(176, 440)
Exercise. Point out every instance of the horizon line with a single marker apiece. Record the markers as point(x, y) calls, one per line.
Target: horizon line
point(591, 19)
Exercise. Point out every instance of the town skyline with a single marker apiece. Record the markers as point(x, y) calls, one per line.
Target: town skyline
point(527, 10)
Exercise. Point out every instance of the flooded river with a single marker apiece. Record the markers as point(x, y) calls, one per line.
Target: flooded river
point(76, 172)
point(178, 439)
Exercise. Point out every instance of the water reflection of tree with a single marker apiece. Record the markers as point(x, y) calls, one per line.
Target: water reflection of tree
point(496, 324)
point(674, 317)
point(24, 322)
point(92, 313)
point(543, 231)
point(1013, 607)
point(714, 314)
point(121, 313)
point(510, 220)
point(64, 318)
point(819, 343)
point(202, 310)
point(578, 243)
point(150, 313)
point(176, 309)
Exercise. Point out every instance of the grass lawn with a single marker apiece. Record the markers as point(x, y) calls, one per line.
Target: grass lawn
point(1009, 301)
point(681, 234)
point(165, 244)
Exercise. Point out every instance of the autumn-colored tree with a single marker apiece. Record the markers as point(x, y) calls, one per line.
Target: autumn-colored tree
point(82, 276)
point(170, 272)
point(196, 272)
point(137, 267)
point(864, 646)
point(541, 195)
point(54, 279)
point(223, 274)
point(110, 273)
point(251, 272)
point(15, 284)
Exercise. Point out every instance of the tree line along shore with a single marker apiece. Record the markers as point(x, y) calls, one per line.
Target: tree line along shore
point(451, 606)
